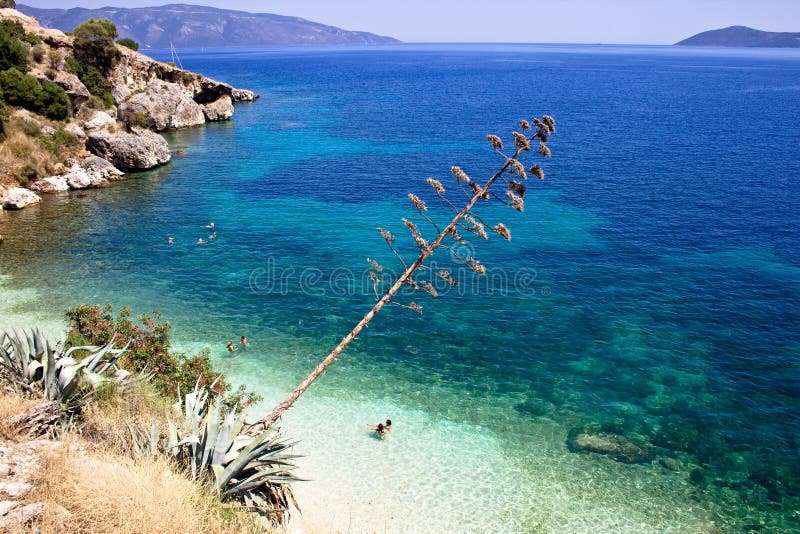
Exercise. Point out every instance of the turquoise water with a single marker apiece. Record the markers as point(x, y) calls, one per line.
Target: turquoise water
point(652, 287)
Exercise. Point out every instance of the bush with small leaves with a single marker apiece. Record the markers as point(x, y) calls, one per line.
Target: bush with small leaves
point(37, 52)
point(128, 43)
point(12, 52)
point(45, 98)
point(150, 349)
point(94, 44)
point(93, 79)
point(54, 59)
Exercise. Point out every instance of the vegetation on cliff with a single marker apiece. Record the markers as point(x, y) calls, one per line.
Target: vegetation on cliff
point(119, 397)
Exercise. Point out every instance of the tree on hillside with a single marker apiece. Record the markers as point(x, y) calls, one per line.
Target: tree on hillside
point(128, 43)
point(43, 97)
point(12, 53)
point(94, 44)
point(8, 3)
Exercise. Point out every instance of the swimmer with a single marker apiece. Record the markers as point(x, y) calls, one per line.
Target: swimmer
point(244, 342)
point(231, 348)
point(210, 225)
point(200, 241)
point(169, 241)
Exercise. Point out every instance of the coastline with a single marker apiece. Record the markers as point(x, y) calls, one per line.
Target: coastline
point(404, 483)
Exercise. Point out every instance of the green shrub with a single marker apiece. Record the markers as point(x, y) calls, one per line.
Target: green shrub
point(38, 53)
point(12, 53)
point(54, 58)
point(26, 173)
point(59, 143)
point(140, 120)
point(94, 44)
point(31, 128)
point(93, 79)
point(129, 43)
point(13, 28)
point(150, 350)
point(45, 98)
point(51, 74)
point(8, 3)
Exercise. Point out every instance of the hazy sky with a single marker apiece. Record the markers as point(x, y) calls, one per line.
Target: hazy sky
point(551, 21)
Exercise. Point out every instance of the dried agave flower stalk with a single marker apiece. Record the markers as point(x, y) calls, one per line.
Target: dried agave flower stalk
point(464, 218)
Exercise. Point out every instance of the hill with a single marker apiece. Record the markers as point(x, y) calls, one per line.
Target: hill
point(743, 36)
point(189, 26)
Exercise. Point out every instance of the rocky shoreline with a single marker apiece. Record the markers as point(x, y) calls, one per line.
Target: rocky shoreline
point(149, 97)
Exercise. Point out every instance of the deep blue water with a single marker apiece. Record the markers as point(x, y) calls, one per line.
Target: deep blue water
point(663, 248)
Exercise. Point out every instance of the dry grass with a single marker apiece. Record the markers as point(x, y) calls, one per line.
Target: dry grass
point(106, 420)
point(11, 405)
point(25, 154)
point(107, 492)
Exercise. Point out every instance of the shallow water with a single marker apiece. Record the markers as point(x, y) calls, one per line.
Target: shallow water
point(652, 287)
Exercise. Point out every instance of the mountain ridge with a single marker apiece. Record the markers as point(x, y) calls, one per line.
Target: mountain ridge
point(195, 26)
point(743, 36)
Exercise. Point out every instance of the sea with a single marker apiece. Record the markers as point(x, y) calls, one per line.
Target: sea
point(651, 288)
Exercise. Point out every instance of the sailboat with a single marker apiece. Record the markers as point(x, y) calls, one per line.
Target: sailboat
point(175, 56)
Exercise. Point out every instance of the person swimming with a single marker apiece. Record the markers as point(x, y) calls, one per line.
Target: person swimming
point(169, 240)
point(200, 241)
point(244, 341)
point(231, 347)
point(210, 225)
point(381, 429)
point(213, 236)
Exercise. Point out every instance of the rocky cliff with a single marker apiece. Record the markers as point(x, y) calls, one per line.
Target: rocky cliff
point(189, 26)
point(148, 97)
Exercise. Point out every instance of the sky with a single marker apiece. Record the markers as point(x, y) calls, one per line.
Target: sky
point(533, 21)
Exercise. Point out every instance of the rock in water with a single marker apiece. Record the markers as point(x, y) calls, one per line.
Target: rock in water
point(614, 446)
point(101, 170)
point(162, 106)
point(130, 151)
point(51, 184)
point(77, 178)
point(19, 197)
point(244, 95)
point(219, 110)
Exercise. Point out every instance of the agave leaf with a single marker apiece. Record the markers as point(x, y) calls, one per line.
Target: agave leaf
point(210, 434)
point(153, 435)
point(239, 442)
point(134, 437)
point(226, 438)
point(94, 379)
point(173, 438)
point(244, 457)
point(217, 470)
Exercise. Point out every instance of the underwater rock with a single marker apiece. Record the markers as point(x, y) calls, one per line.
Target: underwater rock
point(615, 446)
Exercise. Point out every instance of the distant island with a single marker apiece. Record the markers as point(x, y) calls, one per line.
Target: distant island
point(189, 26)
point(743, 36)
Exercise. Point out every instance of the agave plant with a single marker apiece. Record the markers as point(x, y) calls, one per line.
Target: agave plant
point(31, 363)
point(255, 470)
